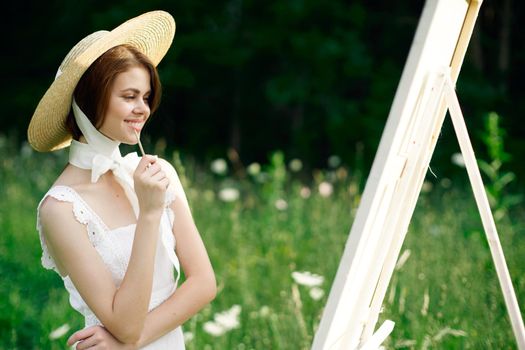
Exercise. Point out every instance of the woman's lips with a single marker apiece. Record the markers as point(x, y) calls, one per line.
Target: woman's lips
point(135, 124)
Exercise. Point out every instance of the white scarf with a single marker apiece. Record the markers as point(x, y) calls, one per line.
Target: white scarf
point(101, 154)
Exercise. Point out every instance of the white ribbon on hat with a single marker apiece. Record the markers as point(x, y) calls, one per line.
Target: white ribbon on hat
point(101, 154)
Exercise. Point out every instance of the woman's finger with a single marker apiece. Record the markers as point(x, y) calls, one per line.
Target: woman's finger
point(152, 169)
point(147, 161)
point(158, 176)
point(165, 182)
point(88, 343)
point(81, 334)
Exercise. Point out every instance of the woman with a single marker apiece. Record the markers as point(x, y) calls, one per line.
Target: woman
point(109, 223)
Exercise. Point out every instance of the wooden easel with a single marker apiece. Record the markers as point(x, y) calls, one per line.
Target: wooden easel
point(425, 93)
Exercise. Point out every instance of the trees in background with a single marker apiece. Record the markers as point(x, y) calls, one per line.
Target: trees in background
point(311, 78)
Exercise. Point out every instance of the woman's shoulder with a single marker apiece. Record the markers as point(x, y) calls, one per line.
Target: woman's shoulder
point(64, 192)
point(171, 172)
point(62, 208)
point(57, 200)
point(166, 166)
point(56, 206)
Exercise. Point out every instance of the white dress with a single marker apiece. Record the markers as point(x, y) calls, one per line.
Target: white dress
point(114, 246)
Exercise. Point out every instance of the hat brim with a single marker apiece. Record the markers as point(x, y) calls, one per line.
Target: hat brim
point(151, 33)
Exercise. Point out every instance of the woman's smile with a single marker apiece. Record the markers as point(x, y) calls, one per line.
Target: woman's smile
point(135, 124)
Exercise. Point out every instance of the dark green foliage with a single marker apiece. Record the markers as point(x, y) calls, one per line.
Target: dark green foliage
point(312, 78)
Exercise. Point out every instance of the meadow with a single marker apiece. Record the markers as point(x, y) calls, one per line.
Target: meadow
point(275, 233)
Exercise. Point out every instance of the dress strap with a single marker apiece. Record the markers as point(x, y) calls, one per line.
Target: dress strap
point(82, 213)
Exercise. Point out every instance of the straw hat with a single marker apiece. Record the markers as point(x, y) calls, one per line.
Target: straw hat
point(152, 33)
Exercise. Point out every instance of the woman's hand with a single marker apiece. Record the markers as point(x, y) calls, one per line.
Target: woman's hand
point(150, 185)
point(97, 337)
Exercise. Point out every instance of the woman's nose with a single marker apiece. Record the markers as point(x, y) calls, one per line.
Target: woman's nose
point(141, 107)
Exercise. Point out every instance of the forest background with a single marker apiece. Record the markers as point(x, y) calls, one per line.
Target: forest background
point(309, 78)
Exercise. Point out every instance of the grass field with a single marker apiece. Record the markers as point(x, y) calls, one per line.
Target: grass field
point(259, 231)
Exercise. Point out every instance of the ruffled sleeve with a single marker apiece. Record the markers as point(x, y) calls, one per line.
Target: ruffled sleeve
point(82, 214)
point(47, 259)
point(175, 187)
point(175, 190)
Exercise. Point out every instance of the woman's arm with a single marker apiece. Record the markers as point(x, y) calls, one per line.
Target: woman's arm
point(122, 310)
point(199, 287)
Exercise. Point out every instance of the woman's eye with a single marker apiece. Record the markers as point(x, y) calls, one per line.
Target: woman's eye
point(129, 97)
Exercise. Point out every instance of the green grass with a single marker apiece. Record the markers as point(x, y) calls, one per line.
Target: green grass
point(446, 295)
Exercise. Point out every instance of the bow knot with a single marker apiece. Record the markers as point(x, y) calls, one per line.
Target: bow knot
point(102, 164)
point(122, 167)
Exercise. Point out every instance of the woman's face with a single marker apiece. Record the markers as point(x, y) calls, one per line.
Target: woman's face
point(128, 107)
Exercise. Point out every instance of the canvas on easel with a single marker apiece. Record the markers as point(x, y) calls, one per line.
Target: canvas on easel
point(425, 92)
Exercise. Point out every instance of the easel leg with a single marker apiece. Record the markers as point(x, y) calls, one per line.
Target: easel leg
point(486, 214)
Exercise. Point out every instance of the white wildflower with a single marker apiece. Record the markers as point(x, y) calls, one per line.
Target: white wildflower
point(457, 159)
point(188, 336)
point(334, 161)
point(254, 169)
point(223, 321)
point(281, 204)
point(316, 293)
point(229, 319)
point(219, 166)
point(213, 328)
point(326, 189)
point(295, 165)
point(229, 194)
point(264, 311)
point(59, 332)
point(307, 279)
point(305, 192)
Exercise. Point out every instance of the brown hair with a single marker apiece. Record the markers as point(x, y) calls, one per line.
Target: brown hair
point(93, 90)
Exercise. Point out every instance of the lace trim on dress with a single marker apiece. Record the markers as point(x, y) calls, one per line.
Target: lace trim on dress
point(91, 320)
point(47, 260)
point(94, 224)
point(82, 214)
